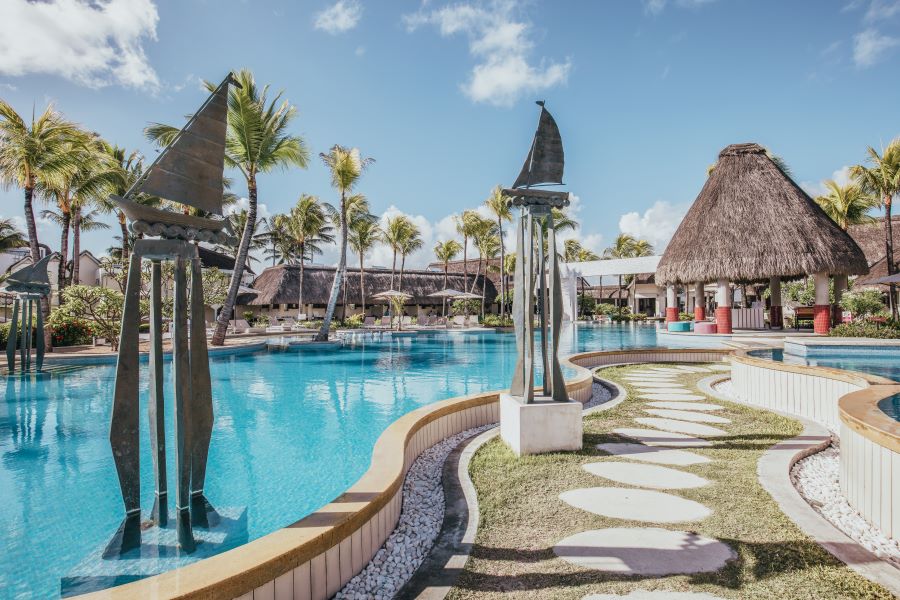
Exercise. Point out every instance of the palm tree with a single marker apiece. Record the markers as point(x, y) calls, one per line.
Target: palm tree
point(466, 223)
point(410, 243)
point(346, 166)
point(445, 252)
point(846, 204)
point(31, 153)
point(882, 180)
point(573, 251)
point(238, 221)
point(488, 244)
point(396, 230)
point(365, 234)
point(357, 207)
point(499, 206)
point(479, 228)
point(621, 248)
point(257, 142)
point(10, 236)
point(307, 226)
point(130, 167)
point(279, 245)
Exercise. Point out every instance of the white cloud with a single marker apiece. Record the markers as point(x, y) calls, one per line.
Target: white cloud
point(881, 10)
point(500, 42)
point(262, 211)
point(96, 44)
point(869, 47)
point(840, 176)
point(656, 225)
point(360, 50)
point(655, 7)
point(343, 16)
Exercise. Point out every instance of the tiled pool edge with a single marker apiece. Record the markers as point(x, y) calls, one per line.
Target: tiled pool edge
point(315, 557)
point(846, 402)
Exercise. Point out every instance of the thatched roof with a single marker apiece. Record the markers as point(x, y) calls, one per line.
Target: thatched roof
point(459, 266)
point(870, 238)
point(281, 285)
point(751, 222)
point(876, 271)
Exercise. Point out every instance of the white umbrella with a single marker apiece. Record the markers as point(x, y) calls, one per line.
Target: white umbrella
point(447, 293)
point(391, 294)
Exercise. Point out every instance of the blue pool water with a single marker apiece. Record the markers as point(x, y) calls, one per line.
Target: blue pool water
point(293, 429)
point(882, 364)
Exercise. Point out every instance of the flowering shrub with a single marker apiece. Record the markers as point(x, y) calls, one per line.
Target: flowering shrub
point(68, 331)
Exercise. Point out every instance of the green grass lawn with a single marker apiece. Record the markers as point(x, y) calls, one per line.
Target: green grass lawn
point(522, 518)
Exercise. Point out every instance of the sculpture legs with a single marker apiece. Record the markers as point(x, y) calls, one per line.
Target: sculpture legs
point(202, 512)
point(156, 406)
point(183, 437)
point(542, 304)
point(39, 338)
point(554, 376)
point(13, 338)
point(25, 347)
point(124, 428)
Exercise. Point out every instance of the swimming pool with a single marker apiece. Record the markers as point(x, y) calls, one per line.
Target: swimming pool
point(281, 418)
point(882, 364)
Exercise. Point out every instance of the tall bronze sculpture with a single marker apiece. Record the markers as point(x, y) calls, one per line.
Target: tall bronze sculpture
point(189, 172)
point(552, 422)
point(30, 285)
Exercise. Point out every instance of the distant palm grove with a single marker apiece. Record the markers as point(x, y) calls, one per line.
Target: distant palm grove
point(70, 172)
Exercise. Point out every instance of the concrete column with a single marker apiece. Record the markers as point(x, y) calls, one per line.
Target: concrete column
point(660, 301)
point(840, 286)
point(776, 316)
point(822, 308)
point(723, 306)
point(671, 305)
point(699, 302)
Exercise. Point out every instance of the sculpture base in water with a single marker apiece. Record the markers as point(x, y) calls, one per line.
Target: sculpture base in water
point(544, 425)
point(158, 552)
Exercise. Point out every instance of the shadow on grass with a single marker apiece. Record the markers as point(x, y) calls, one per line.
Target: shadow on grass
point(769, 559)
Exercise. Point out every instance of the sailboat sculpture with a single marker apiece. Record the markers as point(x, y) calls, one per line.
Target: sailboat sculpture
point(30, 284)
point(544, 165)
point(188, 171)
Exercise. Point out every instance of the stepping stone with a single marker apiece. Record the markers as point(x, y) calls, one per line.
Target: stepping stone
point(650, 476)
point(655, 437)
point(645, 595)
point(681, 426)
point(644, 551)
point(686, 415)
point(719, 367)
point(656, 384)
point(662, 456)
point(667, 370)
point(685, 405)
point(636, 505)
point(667, 396)
point(671, 390)
point(650, 376)
point(692, 369)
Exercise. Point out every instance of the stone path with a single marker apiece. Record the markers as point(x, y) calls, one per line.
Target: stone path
point(645, 595)
point(677, 421)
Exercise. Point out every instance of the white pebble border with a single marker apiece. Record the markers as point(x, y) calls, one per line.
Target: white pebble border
point(420, 519)
point(817, 478)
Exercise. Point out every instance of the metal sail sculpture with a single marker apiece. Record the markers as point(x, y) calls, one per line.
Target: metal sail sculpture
point(188, 171)
point(30, 284)
point(543, 166)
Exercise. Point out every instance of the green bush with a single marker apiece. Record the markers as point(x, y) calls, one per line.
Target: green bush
point(249, 316)
point(638, 317)
point(862, 303)
point(353, 322)
point(461, 307)
point(587, 305)
point(259, 321)
point(496, 321)
point(72, 332)
point(683, 316)
point(865, 329)
point(605, 308)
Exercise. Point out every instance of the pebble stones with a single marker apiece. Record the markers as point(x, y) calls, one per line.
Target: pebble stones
point(681, 426)
point(662, 456)
point(636, 505)
point(648, 476)
point(648, 551)
point(687, 415)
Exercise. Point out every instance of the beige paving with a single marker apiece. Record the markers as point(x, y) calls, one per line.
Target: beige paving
point(648, 476)
point(636, 505)
point(659, 384)
point(656, 437)
point(685, 405)
point(687, 415)
point(681, 426)
point(662, 456)
point(662, 396)
point(644, 551)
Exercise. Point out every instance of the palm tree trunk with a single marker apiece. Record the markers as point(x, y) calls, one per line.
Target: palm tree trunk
point(362, 285)
point(338, 275)
point(302, 264)
point(889, 253)
point(502, 282)
point(218, 338)
point(445, 287)
point(76, 247)
point(63, 253)
point(465, 262)
point(124, 229)
point(477, 273)
point(343, 299)
point(483, 286)
point(393, 267)
point(402, 267)
point(619, 298)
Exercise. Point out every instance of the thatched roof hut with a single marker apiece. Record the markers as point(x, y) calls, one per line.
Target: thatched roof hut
point(751, 222)
point(281, 285)
point(870, 238)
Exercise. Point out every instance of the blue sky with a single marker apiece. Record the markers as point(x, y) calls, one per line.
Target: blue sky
point(646, 92)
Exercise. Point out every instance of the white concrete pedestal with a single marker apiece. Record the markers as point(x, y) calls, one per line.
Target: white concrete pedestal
point(543, 426)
